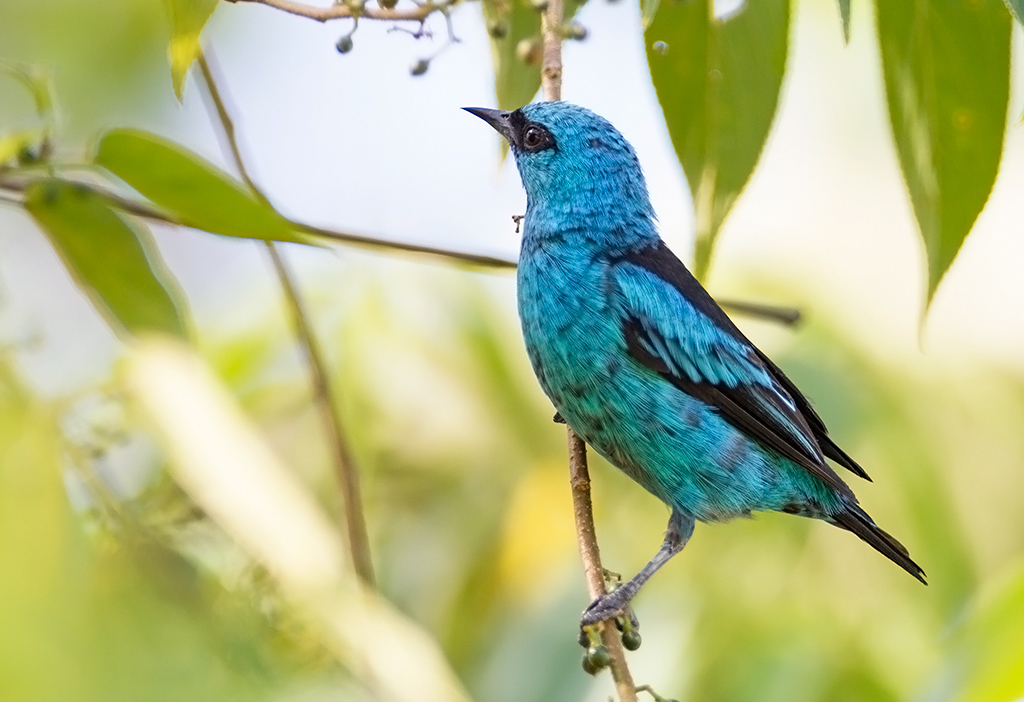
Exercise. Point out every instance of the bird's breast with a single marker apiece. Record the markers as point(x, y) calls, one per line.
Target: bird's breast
point(572, 334)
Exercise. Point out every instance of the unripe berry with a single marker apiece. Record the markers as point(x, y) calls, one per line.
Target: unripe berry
point(631, 639)
point(588, 667)
point(344, 44)
point(574, 30)
point(418, 68)
point(599, 656)
point(529, 51)
point(498, 28)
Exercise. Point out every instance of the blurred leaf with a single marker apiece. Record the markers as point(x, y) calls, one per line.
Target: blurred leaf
point(88, 624)
point(222, 462)
point(990, 651)
point(113, 262)
point(106, 57)
point(1017, 8)
point(648, 9)
point(947, 80)
point(718, 84)
point(844, 12)
point(515, 81)
point(188, 17)
point(199, 193)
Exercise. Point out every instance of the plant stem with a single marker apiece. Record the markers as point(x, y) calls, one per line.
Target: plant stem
point(344, 464)
point(579, 473)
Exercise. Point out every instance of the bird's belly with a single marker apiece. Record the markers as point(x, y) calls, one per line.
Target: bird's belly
point(674, 445)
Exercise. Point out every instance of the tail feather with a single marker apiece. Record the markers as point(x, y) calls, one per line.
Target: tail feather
point(856, 520)
point(832, 450)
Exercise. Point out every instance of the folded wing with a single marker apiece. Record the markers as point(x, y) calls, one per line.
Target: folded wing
point(672, 326)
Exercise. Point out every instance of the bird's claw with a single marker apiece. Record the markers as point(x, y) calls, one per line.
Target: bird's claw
point(613, 606)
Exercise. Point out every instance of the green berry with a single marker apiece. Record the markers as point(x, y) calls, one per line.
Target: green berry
point(529, 51)
point(631, 639)
point(418, 68)
point(357, 6)
point(588, 667)
point(344, 44)
point(599, 656)
point(574, 30)
point(387, 4)
point(498, 28)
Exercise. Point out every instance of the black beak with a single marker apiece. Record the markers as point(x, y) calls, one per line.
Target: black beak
point(499, 119)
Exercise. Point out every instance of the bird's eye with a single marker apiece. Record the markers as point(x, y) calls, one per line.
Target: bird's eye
point(533, 138)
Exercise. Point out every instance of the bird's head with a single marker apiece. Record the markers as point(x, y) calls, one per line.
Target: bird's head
point(572, 160)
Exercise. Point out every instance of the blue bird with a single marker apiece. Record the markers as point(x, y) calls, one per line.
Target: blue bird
point(643, 364)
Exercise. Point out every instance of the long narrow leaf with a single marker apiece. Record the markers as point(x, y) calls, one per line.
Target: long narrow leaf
point(188, 17)
point(111, 260)
point(718, 84)
point(947, 80)
point(197, 192)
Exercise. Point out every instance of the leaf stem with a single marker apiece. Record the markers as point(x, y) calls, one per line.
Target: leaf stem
point(344, 463)
point(579, 473)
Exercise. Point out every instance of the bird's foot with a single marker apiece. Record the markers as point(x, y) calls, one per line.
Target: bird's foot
point(614, 605)
point(557, 419)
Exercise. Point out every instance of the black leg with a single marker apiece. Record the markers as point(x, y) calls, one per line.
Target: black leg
point(616, 603)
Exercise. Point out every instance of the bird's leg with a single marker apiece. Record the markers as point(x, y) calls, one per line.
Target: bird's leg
point(616, 603)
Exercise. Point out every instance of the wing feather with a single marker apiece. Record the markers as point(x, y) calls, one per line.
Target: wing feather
point(678, 331)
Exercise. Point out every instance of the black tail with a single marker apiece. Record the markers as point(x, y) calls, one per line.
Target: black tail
point(856, 520)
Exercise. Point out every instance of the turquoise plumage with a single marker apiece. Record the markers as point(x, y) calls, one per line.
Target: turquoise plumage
point(642, 363)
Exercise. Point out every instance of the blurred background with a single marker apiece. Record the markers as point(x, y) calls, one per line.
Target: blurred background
point(114, 585)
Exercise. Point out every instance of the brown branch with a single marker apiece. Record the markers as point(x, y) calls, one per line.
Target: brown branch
point(343, 11)
point(377, 243)
point(579, 474)
point(9, 188)
point(344, 463)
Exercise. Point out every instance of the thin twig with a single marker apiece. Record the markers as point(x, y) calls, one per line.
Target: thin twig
point(344, 463)
point(9, 187)
point(9, 190)
point(579, 474)
point(342, 11)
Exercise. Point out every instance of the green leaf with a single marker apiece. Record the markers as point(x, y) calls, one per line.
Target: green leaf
point(1017, 8)
point(988, 651)
point(947, 80)
point(188, 17)
point(844, 12)
point(197, 192)
point(115, 263)
point(718, 84)
point(516, 82)
point(648, 9)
